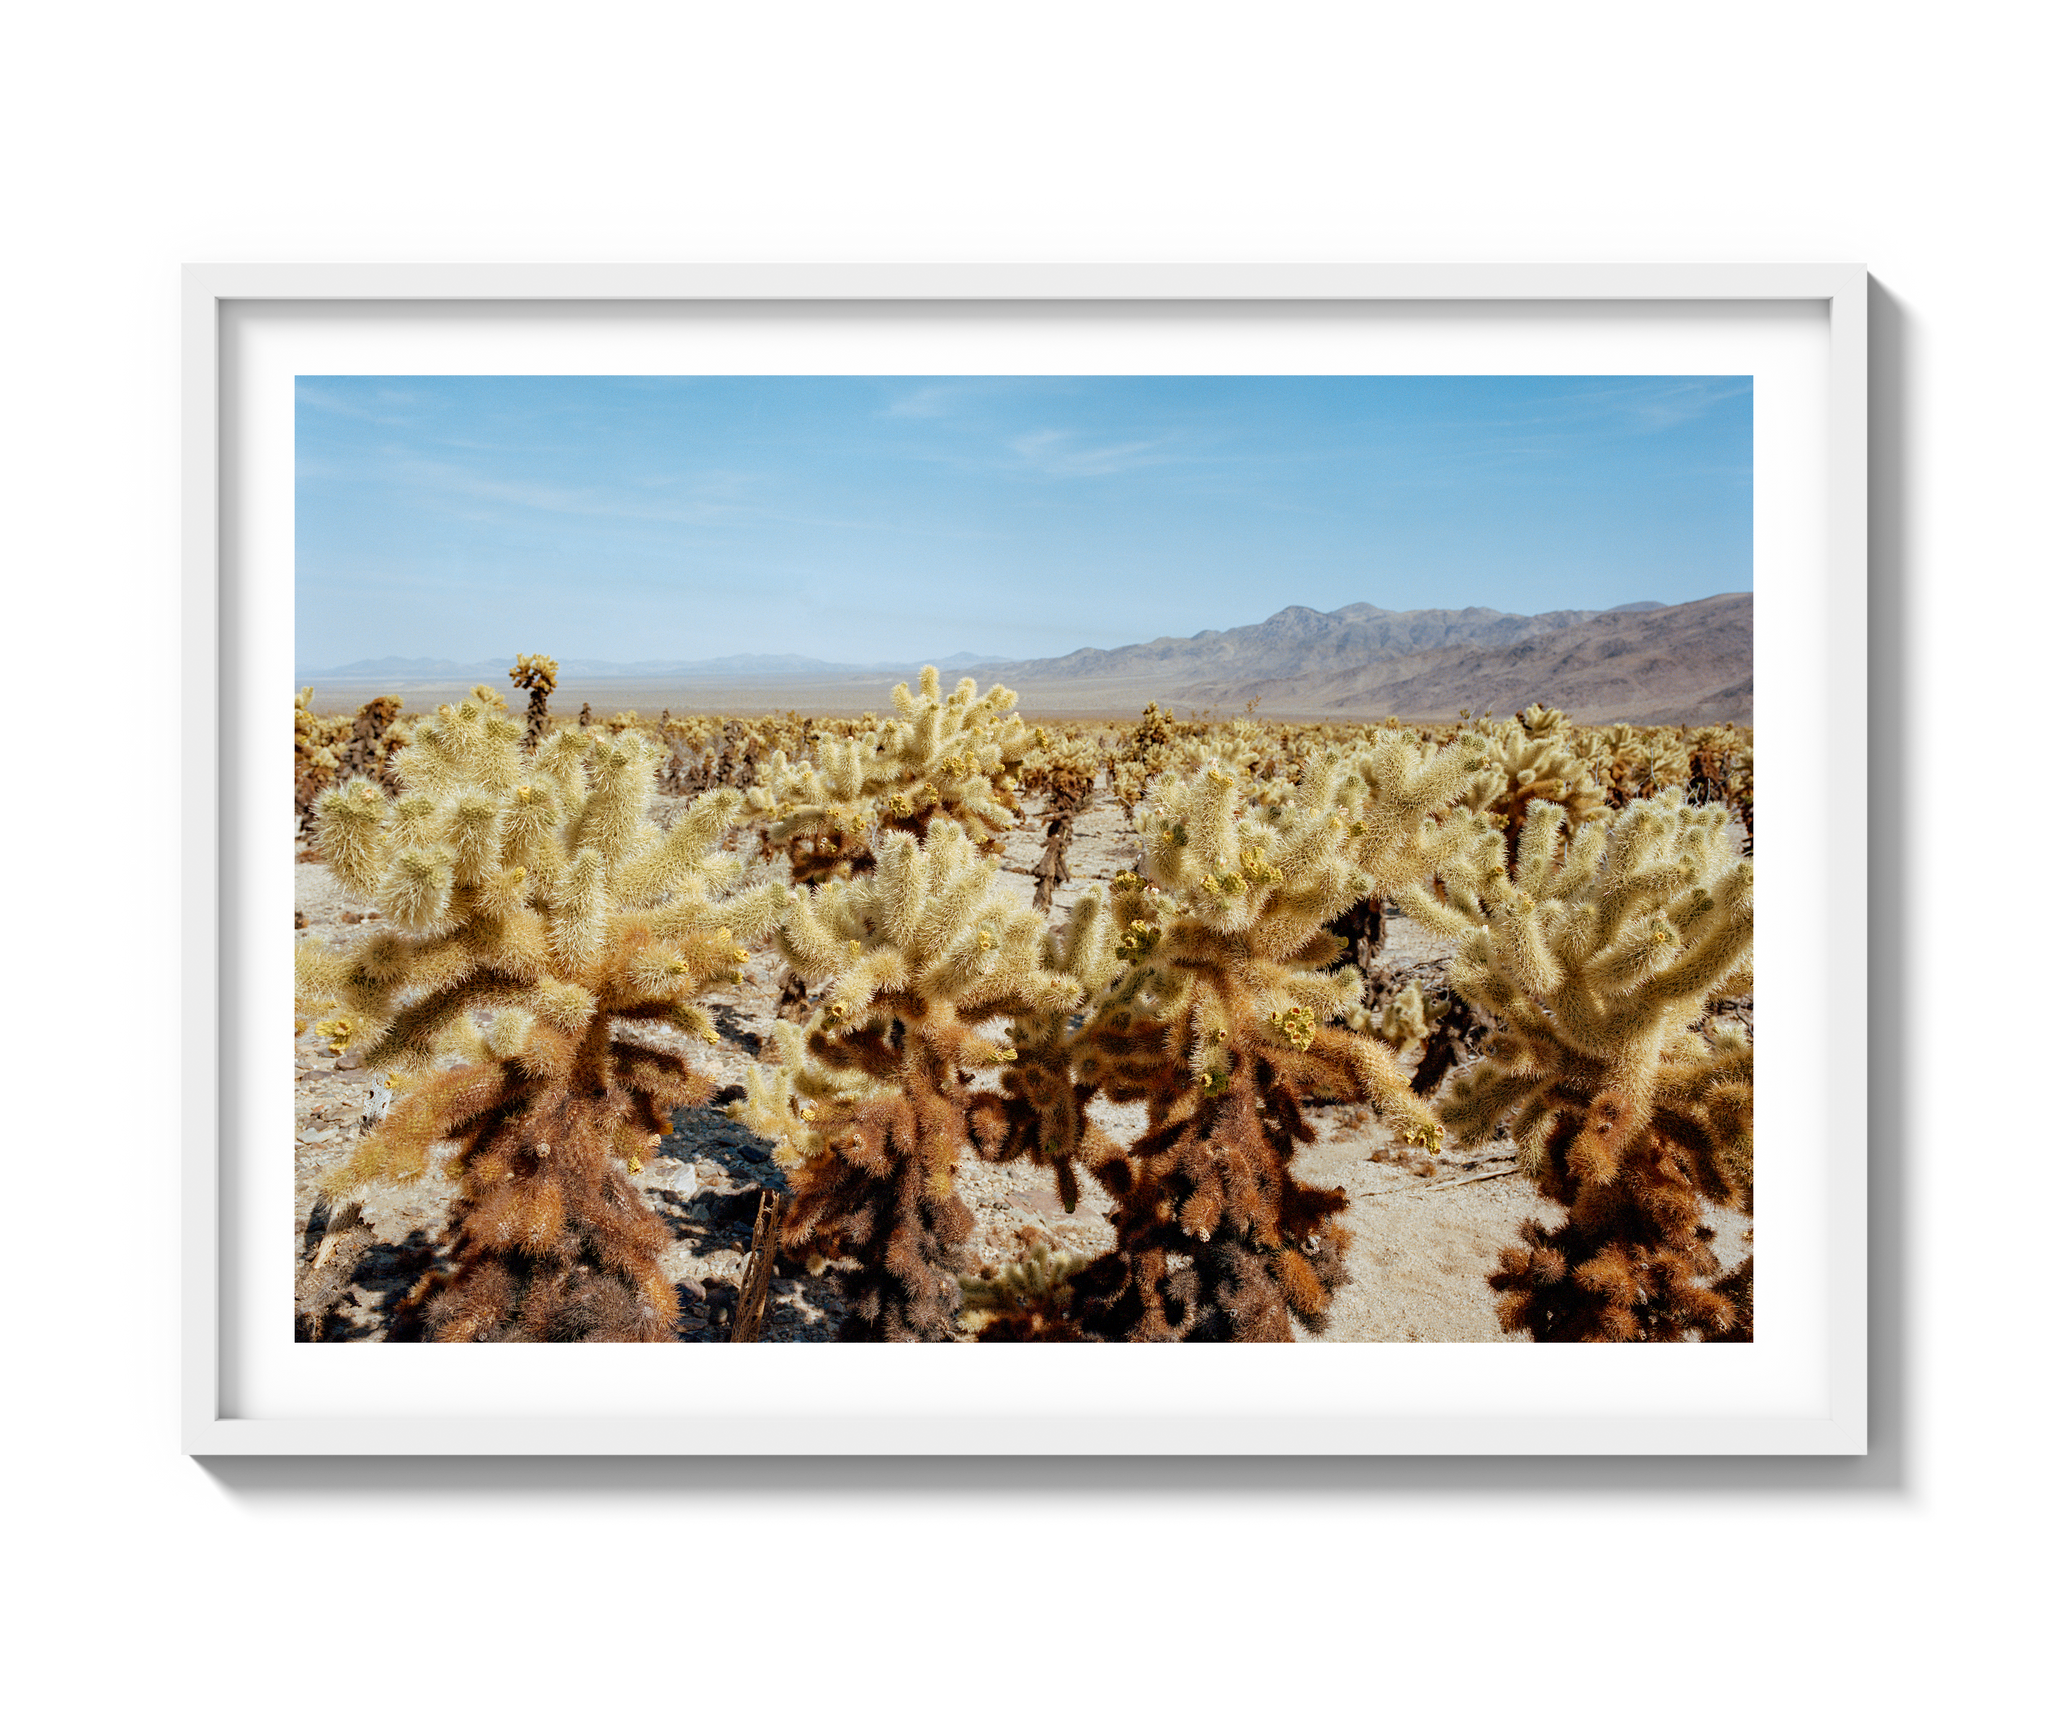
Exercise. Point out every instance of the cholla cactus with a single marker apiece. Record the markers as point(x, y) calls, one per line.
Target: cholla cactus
point(870, 1107)
point(1025, 1301)
point(1532, 758)
point(375, 739)
point(1633, 763)
point(1596, 962)
point(1127, 784)
point(1722, 766)
point(1407, 1017)
point(317, 744)
point(1220, 1024)
point(1043, 1113)
point(536, 676)
point(1250, 750)
point(951, 758)
point(535, 909)
point(1150, 738)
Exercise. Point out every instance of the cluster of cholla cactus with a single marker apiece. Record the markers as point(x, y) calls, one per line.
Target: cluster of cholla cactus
point(317, 742)
point(1595, 962)
point(949, 758)
point(535, 676)
point(331, 750)
point(1628, 762)
point(1532, 760)
point(1063, 770)
point(1145, 752)
point(1721, 768)
point(537, 924)
point(533, 910)
point(1223, 1023)
point(1027, 1300)
point(376, 735)
point(911, 958)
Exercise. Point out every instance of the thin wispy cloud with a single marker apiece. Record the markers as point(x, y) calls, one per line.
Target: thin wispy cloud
point(436, 479)
point(1063, 453)
point(934, 402)
point(382, 406)
point(1664, 408)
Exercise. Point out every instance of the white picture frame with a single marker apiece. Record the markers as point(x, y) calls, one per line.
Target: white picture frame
point(246, 1387)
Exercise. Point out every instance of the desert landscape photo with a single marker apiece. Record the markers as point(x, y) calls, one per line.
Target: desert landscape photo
point(1023, 859)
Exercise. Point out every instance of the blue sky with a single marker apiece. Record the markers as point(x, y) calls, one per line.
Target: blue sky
point(870, 519)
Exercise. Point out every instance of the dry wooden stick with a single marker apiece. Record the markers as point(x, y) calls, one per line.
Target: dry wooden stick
point(754, 1281)
point(1446, 1186)
point(1442, 1186)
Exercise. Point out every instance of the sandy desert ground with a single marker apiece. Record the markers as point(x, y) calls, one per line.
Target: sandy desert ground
point(1425, 1231)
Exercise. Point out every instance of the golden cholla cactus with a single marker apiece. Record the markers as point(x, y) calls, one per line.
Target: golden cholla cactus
point(1063, 767)
point(1150, 738)
point(950, 758)
point(1596, 962)
point(1244, 747)
point(1024, 1301)
point(1529, 759)
point(317, 746)
point(535, 675)
point(375, 738)
point(1043, 1114)
point(1407, 1016)
point(535, 908)
point(1221, 1025)
point(1628, 763)
point(1722, 766)
point(1127, 784)
point(909, 959)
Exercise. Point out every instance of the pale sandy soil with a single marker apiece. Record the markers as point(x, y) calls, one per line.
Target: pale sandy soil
point(1425, 1233)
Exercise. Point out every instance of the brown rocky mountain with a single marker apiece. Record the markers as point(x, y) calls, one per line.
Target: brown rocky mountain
point(1644, 663)
point(1299, 640)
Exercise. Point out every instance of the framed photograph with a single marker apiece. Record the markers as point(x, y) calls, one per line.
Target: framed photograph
point(252, 330)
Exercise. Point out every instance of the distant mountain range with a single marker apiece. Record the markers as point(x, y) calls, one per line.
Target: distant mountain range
point(1641, 662)
point(1298, 641)
point(1691, 663)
